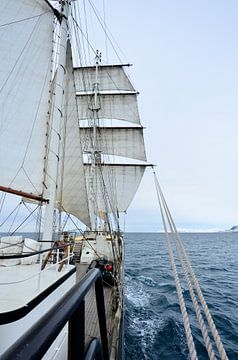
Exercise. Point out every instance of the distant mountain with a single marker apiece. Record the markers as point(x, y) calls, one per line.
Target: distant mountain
point(199, 230)
point(234, 228)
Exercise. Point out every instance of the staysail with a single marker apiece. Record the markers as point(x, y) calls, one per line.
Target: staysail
point(72, 194)
point(26, 39)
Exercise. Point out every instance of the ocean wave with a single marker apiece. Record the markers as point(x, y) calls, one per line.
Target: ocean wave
point(147, 280)
point(146, 331)
point(167, 287)
point(153, 322)
point(142, 328)
point(135, 293)
point(160, 301)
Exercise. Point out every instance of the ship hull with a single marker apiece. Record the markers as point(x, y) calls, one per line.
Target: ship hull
point(18, 321)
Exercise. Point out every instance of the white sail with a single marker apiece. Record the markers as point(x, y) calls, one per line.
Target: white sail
point(114, 186)
point(72, 194)
point(110, 78)
point(112, 106)
point(118, 98)
point(128, 142)
point(26, 37)
point(117, 182)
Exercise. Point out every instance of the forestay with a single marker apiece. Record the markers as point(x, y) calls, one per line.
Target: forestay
point(26, 49)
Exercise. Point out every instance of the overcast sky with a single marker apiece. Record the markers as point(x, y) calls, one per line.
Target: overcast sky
point(185, 58)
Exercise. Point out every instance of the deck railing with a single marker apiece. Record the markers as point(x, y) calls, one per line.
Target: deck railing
point(70, 308)
point(94, 350)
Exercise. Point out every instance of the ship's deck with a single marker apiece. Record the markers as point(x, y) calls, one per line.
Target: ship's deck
point(22, 283)
point(91, 317)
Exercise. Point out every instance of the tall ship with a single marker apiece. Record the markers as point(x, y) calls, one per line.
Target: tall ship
point(71, 151)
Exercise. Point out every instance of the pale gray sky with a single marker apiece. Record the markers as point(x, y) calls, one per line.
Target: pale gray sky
point(185, 58)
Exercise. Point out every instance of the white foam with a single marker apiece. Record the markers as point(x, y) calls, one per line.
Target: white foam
point(135, 293)
point(147, 280)
point(147, 330)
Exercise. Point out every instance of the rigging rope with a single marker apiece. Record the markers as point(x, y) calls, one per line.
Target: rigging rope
point(11, 213)
point(212, 326)
point(82, 233)
point(107, 32)
point(74, 20)
point(19, 56)
point(191, 346)
point(19, 226)
point(191, 291)
point(3, 196)
point(182, 254)
point(86, 27)
point(25, 19)
point(105, 29)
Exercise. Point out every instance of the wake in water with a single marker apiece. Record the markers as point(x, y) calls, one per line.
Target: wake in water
point(147, 331)
point(142, 327)
point(153, 323)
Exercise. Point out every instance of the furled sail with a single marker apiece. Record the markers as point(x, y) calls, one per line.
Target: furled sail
point(26, 39)
point(72, 194)
point(120, 183)
point(118, 98)
point(118, 141)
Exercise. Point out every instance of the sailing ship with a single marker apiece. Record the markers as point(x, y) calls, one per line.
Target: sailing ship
point(71, 147)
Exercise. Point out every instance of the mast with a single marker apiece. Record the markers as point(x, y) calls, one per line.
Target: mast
point(56, 111)
point(95, 151)
point(116, 183)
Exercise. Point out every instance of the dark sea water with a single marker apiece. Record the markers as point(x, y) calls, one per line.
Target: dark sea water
point(153, 323)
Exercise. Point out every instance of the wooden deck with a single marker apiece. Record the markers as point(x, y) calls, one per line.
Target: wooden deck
point(91, 318)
